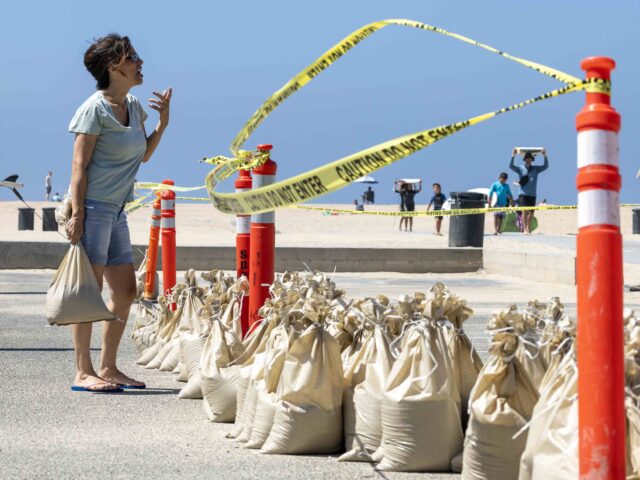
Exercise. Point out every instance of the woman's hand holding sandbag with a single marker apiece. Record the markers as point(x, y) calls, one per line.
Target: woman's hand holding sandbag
point(75, 228)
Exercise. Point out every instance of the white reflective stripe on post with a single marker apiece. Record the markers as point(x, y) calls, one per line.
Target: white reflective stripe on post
point(156, 212)
point(168, 222)
point(155, 222)
point(597, 147)
point(169, 204)
point(262, 181)
point(598, 207)
point(243, 224)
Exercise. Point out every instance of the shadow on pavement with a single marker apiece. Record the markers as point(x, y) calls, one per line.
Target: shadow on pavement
point(41, 349)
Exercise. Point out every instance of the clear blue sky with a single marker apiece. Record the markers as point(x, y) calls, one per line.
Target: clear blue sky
point(224, 58)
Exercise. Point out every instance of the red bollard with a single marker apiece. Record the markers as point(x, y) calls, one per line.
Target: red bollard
point(152, 251)
point(243, 243)
point(600, 285)
point(263, 242)
point(168, 224)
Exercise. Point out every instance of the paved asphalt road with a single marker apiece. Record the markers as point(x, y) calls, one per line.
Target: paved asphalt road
point(47, 431)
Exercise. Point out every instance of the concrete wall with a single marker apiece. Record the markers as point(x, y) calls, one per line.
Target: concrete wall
point(552, 268)
point(33, 255)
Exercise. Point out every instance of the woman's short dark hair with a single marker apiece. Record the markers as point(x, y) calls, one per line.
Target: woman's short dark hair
point(504, 175)
point(103, 53)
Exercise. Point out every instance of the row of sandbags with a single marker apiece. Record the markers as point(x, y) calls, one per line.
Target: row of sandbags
point(523, 425)
point(392, 382)
point(172, 336)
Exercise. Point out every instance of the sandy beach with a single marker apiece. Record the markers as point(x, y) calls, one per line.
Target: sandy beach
point(201, 224)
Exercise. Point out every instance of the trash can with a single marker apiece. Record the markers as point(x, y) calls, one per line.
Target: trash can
point(25, 218)
point(466, 230)
point(636, 220)
point(49, 223)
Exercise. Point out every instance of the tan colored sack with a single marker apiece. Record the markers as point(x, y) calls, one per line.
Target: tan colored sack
point(170, 362)
point(74, 296)
point(633, 438)
point(551, 452)
point(144, 327)
point(464, 357)
point(191, 346)
point(308, 417)
point(421, 429)
point(276, 349)
point(253, 343)
point(362, 400)
point(219, 380)
point(501, 404)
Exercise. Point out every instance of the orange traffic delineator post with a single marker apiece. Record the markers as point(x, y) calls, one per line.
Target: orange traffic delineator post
point(600, 285)
point(243, 245)
point(152, 251)
point(262, 249)
point(168, 226)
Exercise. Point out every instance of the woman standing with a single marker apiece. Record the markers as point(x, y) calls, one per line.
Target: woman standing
point(110, 143)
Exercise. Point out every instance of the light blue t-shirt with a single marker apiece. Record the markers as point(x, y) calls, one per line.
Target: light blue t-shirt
point(531, 186)
point(119, 150)
point(502, 192)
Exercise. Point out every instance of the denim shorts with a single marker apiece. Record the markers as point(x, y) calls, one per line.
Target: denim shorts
point(106, 234)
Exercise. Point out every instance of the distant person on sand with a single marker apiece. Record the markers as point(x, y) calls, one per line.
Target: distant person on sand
point(369, 196)
point(503, 199)
point(528, 181)
point(437, 200)
point(407, 204)
point(110, 144)
point(47, 185)
point(358, 206)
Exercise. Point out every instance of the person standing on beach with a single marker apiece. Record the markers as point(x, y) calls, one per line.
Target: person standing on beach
point(503, 199)
point(407, 204)
point(528, 181)
point(437, 200)
point(110, 143)
point(47, 185)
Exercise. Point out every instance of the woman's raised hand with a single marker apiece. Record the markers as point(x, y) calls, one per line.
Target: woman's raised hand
point(162, 104)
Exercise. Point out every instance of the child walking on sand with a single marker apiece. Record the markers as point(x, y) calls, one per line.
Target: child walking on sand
point(437, 200)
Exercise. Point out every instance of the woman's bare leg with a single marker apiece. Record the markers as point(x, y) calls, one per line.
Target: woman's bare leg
point(122, 281)
point(86, 376)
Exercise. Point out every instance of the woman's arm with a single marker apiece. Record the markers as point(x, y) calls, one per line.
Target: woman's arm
point(82, 152)
point(161, 105)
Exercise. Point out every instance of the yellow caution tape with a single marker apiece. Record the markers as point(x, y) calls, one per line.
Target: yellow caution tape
point(445, 213)
point(340, 173)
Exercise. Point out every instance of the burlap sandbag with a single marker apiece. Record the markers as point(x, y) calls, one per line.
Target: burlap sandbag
point(166, 329)
point(144, 327)
point(218, 379)
point(633, 438)
point(421, 429)
point(308, 417)
point(362, 400)
point(170, 362)
point(252, 344)
point(276, 349)
point(551, 452)
point(464, 357)
point(191, 346)
point(501, 404)
point(74, 296)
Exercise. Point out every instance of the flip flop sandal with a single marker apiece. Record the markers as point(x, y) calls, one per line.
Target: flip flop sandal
point(88, 388)
point(131, 387)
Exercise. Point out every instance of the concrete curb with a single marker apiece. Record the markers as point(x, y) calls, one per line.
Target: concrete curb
point(36, 255)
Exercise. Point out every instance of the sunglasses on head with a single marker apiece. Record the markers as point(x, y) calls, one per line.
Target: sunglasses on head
point(134, 57)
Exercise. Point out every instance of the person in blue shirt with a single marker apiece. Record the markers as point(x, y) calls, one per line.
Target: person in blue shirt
point(437, 200)
point(528, 181)
point(503, 199)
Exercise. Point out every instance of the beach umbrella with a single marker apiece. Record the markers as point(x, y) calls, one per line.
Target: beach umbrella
point(365, 179)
